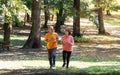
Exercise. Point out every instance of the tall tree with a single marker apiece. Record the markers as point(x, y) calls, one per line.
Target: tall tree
point(100, 18)
point(76, 18)
point(7, 31)
point(34, 40)
point(59, 16)
point(99, 7)
point(108, 4)
point(6, 25)
point(46, 12)
point(62, 9)
point(10, 10)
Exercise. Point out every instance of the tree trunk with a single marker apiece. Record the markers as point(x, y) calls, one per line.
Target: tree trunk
point(59, 17)
point(47, 15)
point(16, 24)
point(6, 28)
point(100, 19)
point(52, 17)
point(63, 19)
point(34, 40)
point(58, 24)
point(27, 18)
point(108, 12)
point(76, 18)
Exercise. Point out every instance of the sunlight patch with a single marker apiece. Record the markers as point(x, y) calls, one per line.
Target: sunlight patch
point(42, 64)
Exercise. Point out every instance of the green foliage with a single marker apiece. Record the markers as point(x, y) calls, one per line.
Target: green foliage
point(28, 3)
point(66, 6)
point(84, 6)
point(105, 4)
point(11, 10)
point(82, 39)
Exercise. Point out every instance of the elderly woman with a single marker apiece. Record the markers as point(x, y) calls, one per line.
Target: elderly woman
point(67, 42)
point(51, 39)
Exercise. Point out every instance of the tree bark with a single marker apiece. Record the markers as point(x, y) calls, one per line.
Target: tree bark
point(47, 15)
point(34, 40)
point(108, 12)
point(76, 18)
point(100, 19)
point(6, 28)
point(59, 21)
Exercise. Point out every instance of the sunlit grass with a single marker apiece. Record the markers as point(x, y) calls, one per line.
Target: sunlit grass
point(18, 40)
point(112, 21)
point(79, 64)
point(104, 38)
point(75, 66)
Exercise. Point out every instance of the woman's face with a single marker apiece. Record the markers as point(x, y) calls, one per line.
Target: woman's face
point(50, 30)
point(66, 32)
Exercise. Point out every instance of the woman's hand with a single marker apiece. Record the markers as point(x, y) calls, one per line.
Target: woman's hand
point(48, 40)
point(70, 43)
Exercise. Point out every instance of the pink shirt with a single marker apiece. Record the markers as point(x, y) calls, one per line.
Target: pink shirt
point(65, 41)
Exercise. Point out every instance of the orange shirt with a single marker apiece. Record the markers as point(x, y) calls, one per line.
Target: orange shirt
point(51, 40)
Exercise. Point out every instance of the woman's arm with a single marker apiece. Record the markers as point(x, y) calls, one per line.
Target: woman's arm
point(71, 42)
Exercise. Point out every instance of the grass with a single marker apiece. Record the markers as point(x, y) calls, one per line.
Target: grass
point(112, 20)
point(78, 66)
point(82, 39)
point(18, 40)
point(95, 59)
point(103, 39)
point(103, 70)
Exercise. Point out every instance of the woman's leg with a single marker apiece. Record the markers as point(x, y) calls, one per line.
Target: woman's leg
point(50, 57)
point(64, 58)
point(54, 55)
point(68, 58)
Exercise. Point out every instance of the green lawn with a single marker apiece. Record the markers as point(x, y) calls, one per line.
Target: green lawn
point(76, 67)
point(16, 40)
point(79, 65)
point(112, 20)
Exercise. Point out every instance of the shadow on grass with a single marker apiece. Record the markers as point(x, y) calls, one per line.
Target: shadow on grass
point(53, 72)
point(21, 42)
point(101, 70)
point(16, 42)
point(40, 72)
